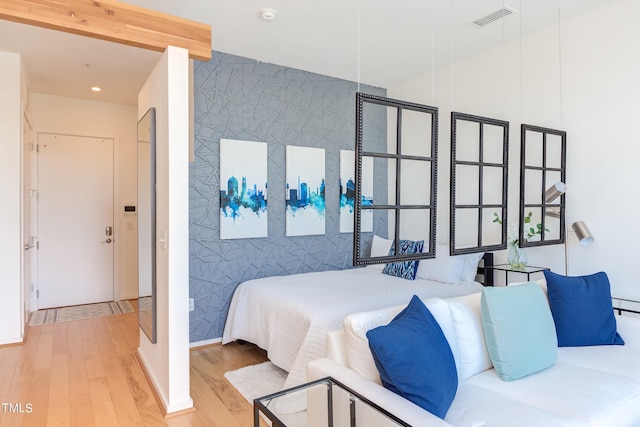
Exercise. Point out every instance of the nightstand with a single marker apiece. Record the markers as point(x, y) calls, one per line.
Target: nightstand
point(528, 270)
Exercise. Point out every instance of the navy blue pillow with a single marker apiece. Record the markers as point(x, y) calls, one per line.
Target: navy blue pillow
point(582, 310)
point(406, 269)
point(414, 359)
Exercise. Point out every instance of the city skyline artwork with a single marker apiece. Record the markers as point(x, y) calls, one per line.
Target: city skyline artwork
point(305, 191)
point(243, 189)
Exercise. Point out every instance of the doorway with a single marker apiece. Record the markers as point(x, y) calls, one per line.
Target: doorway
point(75, 220)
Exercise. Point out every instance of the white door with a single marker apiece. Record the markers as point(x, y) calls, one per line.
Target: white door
point(75, 215)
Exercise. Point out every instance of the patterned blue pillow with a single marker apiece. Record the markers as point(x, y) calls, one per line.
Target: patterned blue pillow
point(406, 269)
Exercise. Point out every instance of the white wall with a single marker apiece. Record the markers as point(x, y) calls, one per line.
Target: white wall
point(167, 361)
point(598, 109)
point(601, 66)
point(11, 329)
point(92, 118)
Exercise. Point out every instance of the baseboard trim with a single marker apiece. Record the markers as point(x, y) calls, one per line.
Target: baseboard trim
point(152, 383)
point(205, 343)
point(12, 342)
point(180, 412)
point(166, 412)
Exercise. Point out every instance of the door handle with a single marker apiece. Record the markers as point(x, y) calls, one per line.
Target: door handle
point(27, 246)
point(107, 241)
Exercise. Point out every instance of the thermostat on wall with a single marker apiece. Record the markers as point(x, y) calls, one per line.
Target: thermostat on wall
point(129, 210)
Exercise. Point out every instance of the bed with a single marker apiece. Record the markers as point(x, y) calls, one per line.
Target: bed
point(289, 316)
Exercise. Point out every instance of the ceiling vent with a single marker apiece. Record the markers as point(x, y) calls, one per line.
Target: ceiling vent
point(493, 17)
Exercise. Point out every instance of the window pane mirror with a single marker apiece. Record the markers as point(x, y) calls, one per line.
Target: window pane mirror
point(479, 171)
point(542, 186)
point(399, 141)
point(147, 224)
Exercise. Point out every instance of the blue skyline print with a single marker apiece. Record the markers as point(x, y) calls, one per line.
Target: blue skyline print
point(243, 189)
point(305, 191)
point(348, 192)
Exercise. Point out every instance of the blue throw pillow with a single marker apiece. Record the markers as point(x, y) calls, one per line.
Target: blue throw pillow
point(582, 310)
point(414, 359)
point(518, 330)
point(407, 269)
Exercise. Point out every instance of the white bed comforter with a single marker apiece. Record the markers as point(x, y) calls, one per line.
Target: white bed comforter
point(289, 316)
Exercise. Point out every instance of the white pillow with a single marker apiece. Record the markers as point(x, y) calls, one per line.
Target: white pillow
point(449, 269)
point(356, 326)
point(379, 247)
point(467, 321)
point(540, 282)
point(471, 262)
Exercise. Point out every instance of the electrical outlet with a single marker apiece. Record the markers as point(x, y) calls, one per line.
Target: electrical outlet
point(192, 304)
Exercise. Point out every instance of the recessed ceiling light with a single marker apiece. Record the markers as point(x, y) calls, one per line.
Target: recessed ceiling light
point(268, 14)
point(96, 88)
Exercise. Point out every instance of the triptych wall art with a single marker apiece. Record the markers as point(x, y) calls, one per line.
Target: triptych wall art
point(243, 190)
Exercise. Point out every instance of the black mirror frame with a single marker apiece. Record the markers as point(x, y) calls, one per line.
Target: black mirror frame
point(543, 206)
point(455, 116)
point(361, 99)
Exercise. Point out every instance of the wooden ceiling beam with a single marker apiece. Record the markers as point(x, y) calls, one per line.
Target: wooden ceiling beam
point(113, 21)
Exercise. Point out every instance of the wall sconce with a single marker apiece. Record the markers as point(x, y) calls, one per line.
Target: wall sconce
point(582, 233)
point(555, 191)
point(584, 237)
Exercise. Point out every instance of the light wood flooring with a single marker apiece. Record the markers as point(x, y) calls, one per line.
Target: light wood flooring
point(85, 373)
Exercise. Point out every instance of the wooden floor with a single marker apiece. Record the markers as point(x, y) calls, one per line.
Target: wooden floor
point(85, 373)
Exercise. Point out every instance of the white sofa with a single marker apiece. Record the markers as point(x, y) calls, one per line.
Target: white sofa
point(587, 386)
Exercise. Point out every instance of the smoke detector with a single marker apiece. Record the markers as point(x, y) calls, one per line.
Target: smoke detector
point(268, 14)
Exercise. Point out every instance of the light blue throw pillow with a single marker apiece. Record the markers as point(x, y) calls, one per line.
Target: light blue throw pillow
point(519, 330)
point(406, 269)
point(414, 359)
point(582, 310)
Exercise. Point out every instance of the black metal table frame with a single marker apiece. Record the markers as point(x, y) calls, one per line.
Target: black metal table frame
point(626, 310)
point(507, 269)
point(258, 406)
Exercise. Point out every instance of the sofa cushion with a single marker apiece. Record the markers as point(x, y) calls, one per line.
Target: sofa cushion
point(477, 406)
point(582, 310)
point(404, 269)
point(615, 359)
point(472, 349)
point(356, 325)
point(519, 330)
point(590, 397)
point(414, 359)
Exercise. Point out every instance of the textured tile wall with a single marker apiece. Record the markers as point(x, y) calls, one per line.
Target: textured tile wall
point(240, 98)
